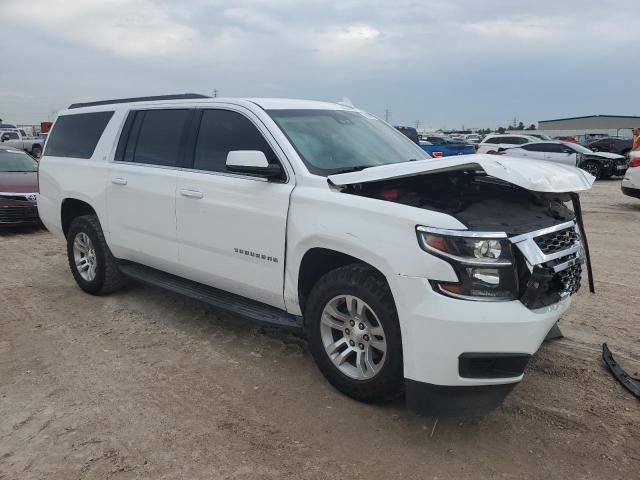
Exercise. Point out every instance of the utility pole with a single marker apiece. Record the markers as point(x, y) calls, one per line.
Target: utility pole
point(417, 124)
point(386, 115)
point(215, 92)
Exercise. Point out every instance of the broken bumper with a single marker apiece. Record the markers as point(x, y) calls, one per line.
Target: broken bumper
point(439, 331)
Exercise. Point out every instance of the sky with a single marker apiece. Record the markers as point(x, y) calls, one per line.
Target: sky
point(442, 63)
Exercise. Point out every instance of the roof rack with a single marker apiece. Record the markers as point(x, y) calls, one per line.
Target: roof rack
point(180, 96)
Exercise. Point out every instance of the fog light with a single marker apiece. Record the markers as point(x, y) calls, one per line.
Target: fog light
point(487, 276)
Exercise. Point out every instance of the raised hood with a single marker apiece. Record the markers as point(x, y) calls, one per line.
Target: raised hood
point(534, 175)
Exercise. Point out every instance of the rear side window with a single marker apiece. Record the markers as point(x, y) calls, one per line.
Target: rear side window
point(77, 135)
point(222, 131)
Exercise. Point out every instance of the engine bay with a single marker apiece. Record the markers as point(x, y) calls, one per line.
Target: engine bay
point(479, 201)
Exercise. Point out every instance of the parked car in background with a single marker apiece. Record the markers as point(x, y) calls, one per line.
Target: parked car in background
point(598, 164)
point(43, 138)
point(439, 147)
point(492, 143)
point(621, 146)
point(540, 136)
point(567, 138)
point(439, 277)
point(15, 139)
point(410, 132)
point(18, 188)
point(473, 138)
point(631, 181)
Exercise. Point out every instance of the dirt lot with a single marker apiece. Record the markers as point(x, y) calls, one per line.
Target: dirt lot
point(147, 384)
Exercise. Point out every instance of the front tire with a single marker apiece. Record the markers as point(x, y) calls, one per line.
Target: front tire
point(354, 333)
point(90, 260)
point(593, 168)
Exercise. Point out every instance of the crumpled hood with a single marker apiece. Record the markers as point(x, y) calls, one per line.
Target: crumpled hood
point(607, 155)
point(534, 175)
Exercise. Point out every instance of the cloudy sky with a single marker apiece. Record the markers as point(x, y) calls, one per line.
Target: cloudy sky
point(440, 62)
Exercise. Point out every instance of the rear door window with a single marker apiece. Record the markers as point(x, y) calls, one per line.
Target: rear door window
point(154, 137)
point(77, 135)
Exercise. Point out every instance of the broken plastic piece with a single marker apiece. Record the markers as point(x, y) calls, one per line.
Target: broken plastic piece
point(627, 381)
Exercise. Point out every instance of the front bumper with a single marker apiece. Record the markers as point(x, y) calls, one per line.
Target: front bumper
point(438, 330)
point(19, 214)
point(630, 191)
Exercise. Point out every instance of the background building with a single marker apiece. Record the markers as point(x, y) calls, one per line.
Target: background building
point(614, 125)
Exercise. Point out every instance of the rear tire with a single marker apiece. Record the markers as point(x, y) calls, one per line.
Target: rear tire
point(36, 151)
point(90, 260)
point(366, 332)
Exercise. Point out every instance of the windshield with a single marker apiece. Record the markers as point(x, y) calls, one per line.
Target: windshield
point(17, 162)
point(332, 141)
point(577, 148)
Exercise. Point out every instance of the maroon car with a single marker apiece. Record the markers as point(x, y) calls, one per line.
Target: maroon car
point(18, 188)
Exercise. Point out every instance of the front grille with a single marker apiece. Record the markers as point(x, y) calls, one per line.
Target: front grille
point(557, 241)
point(545, 281)
point(570, 278)
point(17, 214)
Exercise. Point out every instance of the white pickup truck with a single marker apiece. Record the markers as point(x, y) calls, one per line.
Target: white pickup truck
point(15, 138)
point(436, 277)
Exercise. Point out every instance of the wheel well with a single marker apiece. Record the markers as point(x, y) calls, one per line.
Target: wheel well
point(72, 208)
point(316, 263)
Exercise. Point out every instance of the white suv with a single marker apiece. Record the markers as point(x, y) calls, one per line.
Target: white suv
point(439, 276)
point(493, 143)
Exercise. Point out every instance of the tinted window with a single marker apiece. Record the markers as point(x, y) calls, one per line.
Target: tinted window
point(555, 148)
point(221, 132)
point(77, 135)
point(535, 147)
point(436, 140)
point(10, 136)
point(159, 140)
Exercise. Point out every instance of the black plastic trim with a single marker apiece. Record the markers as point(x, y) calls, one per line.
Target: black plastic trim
point(492, 365)
point(181, 96)
point(246, 307)
point(459, 401)
point(631, 192)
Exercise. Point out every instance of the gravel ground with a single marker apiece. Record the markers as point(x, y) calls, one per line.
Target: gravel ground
point(148, 384)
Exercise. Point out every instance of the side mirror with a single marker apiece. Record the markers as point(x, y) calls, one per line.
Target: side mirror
point(568, 151)
point(252, 162)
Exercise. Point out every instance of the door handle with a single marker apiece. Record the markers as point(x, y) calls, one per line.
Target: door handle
point(119, 181)
point(191, 193)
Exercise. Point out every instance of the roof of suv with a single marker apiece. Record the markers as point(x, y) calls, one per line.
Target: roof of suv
point(188, 99)
point(503, 135)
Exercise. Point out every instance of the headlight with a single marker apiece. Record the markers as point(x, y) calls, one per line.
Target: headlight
point(483, 262)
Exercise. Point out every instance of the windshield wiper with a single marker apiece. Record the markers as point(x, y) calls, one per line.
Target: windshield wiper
point(357, 168)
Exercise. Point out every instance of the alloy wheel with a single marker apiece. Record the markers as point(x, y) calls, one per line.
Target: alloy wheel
point(353, 337)
point(84, 256)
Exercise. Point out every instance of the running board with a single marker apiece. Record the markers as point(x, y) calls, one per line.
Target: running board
point(251, 309)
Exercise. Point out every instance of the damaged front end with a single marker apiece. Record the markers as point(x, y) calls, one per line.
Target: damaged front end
point(525, 237)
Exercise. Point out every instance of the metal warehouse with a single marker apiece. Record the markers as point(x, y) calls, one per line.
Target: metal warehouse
point(608, 124)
